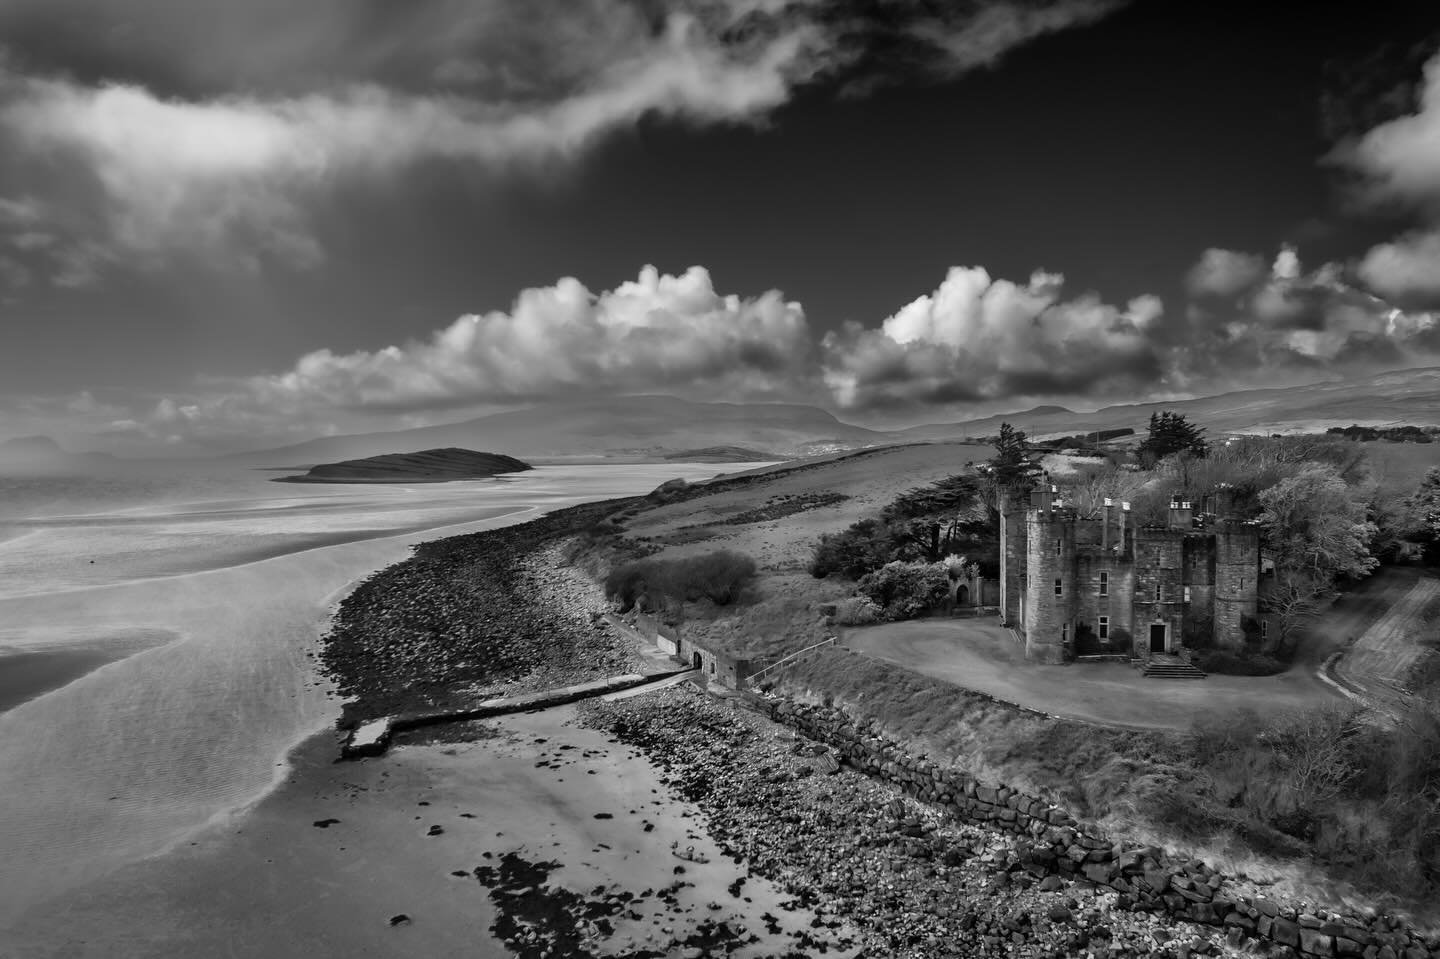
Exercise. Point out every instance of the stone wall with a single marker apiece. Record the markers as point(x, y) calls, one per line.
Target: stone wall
point(1159, 592)
point(1237, 576)
point(719, 667)
point(1145, 877)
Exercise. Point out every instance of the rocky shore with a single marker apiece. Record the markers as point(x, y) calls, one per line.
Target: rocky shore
point(486, 614)
point(860, 851)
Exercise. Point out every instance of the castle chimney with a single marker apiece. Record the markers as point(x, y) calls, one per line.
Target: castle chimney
point(1182, 515)
point(1124, 516)
point(1043, 498)
point(1105, 526)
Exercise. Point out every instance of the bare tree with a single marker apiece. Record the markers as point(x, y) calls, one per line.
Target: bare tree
point(1297, 597)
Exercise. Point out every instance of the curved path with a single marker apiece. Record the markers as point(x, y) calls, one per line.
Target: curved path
point(981, 655)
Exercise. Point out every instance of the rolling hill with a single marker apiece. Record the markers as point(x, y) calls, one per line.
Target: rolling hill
point(1389, 399)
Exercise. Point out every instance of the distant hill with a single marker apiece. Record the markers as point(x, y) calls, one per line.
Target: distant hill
point(425, 466)
point(652, 426)
point(1388, 399)
point(723, 454)
point(655, 428)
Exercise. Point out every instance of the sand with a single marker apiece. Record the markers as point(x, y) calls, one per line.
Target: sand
point(275, 882)
point(28, 673)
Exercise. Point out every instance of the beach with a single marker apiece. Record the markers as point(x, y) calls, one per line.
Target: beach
point(190, 723)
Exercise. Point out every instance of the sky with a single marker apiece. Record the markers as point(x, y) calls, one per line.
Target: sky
point(233, 226)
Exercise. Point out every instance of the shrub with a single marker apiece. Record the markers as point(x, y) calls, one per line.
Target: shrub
point(853, 552)
point(1224, 662)
point(719, 577)
point(905, 590)
point(857, 611)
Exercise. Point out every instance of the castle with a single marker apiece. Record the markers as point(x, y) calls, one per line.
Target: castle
point(1143, 589)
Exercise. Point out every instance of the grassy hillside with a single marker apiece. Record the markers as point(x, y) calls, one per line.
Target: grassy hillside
point(1224, 793)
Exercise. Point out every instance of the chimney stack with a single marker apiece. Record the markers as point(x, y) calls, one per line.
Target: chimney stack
point(1105, 525)
point(1182, 515)
point(1124, 517)
point(1042, 498)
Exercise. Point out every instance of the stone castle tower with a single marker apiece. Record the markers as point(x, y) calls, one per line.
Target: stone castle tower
point(1142, 587)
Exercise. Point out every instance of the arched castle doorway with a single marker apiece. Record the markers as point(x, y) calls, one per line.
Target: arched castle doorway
point(962, 595)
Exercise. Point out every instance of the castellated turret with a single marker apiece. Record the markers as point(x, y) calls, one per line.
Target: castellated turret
point(1049, 555)
point(1108, 585)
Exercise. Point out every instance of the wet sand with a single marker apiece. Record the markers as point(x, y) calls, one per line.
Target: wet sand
point(322, 865)
point(29, 673)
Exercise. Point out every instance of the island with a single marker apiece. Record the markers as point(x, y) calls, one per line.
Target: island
point(425, 466)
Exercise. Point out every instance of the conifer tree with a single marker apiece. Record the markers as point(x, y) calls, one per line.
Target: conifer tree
point(1171, 433)
point(1013, 465)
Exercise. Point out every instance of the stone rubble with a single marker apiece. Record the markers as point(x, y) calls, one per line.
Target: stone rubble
point(916, 882)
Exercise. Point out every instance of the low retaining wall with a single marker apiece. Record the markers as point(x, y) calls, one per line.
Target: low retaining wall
point(373, 738)
point(1145, 877)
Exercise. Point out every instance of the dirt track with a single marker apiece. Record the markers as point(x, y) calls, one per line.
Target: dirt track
point(980, 655)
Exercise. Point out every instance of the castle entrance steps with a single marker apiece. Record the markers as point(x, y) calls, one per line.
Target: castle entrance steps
point(1165, 666)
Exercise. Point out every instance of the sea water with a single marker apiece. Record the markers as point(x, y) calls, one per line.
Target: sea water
point(203, 595)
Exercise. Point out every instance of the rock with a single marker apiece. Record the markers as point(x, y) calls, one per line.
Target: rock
point(400, 919)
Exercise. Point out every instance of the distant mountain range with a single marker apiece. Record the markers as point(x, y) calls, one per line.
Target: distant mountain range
point(42, 455)
point(652, 427)
point(664, 427)
point(1388, 399)
point(425, 466)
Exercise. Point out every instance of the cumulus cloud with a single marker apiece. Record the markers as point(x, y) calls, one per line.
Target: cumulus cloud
point(1225, 274)
point(1406, 266)
point(1399, 165)
point(194, 145)
point(656, 332)
point(979, 338)
point(1398, 158)
point(1294, 322)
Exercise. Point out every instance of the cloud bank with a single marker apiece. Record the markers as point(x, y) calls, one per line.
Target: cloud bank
point(192, 145)
point(658, 332)
point(974, 339)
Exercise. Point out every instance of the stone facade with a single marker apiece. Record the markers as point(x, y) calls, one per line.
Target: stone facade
point(1146, 589)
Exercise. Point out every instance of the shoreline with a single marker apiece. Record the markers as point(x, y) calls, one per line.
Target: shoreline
point(738, 767)
point(1085, 912)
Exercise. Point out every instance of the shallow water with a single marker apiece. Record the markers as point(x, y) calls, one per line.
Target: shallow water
point(142, 751)
point(542, 789)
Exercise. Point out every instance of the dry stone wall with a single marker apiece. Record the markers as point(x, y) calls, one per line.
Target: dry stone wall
point(1145, 877)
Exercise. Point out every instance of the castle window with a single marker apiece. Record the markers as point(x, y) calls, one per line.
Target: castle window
point(1187, 594)
point(1057, 547)
point(1059, 588)
point(1264, 628)
point(1157, 592)
point(1104, 584)
point(1104, 627)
